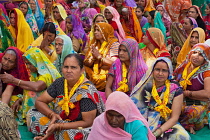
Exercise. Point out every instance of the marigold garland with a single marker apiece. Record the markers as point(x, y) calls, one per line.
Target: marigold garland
point(65, 104)
point(162, 108)
point(123, 84)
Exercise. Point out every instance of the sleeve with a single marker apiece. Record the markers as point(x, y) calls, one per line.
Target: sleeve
point(41, 78)
point(55, 87)
point(87, 104)
point(206, 74)
point(114, 49)
point(111, 70)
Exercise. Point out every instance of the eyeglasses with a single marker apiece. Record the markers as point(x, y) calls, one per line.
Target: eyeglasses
point(59, 44)
point(161, 70)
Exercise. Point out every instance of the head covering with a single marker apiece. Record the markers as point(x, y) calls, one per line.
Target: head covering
point(204, 49)
point(195, 25)
point(137, 67)
point(6, 39)
point(165, 14)
point(43, 65)
point(39, 16)
point(61, 10)
point(66, 49)
point(130, 3)
point(65, 5)
point(21, 32)
point(125, 106)
point(187, 47)
point(90, 13)
point(149, 5)
point(116, 18)
point(198, 9)
point(3, 15)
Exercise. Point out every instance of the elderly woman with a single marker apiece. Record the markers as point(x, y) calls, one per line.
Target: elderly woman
point(121, 121)
point(159, 99)
point(194, 76)
point(102, 53)
point(76, 104)
point(126, 71)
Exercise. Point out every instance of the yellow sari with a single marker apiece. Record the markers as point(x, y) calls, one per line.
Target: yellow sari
point(22, 33)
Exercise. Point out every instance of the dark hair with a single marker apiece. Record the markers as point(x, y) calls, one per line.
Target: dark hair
point(98, 16)
point(31, 0)
point(140, 7)
point(152, 13)
point(78, 58)
point(23, 3)
point(208, 5)
point(191, 22)
point(49, 26)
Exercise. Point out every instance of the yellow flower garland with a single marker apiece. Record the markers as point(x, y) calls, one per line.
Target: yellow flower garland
point(123, 84)
point(65, 104)
point(155, 51)
point(162, 108)
point(186, 77)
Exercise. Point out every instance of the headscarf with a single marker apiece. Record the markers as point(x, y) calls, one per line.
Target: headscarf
point(78, 30)
point(61, 10)
point(195, 25)
point(198, 9)
point(6, 39)
point(66, 49)
point(3, 15)
point(31, 20)
point(125, 106)
point(165, 14)
point(137, 67)
point(39, 16)
point(187, 47)
point(65, 5)
point(43, 65)
point(116, 18)
point(204, 49)
point(22, 32)
point(130, 3)
point(149, 6)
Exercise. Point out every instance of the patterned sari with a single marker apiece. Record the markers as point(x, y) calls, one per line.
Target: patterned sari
point(142, 97)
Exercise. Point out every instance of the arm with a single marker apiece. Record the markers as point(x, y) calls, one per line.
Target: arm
point(6, 95)
point(108, 89)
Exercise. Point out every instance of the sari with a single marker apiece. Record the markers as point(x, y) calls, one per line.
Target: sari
point(86, 98)
point(46, 72)
point(116, 18)
point(107, 49)
point(39, 16)
point(145, 102)
point(206, 19)
point(63, 14)
point(156, 37)
point(158, 23)
point(6, 39)
point(149, 6)
point(21, 33)
point(175, 8)
point(3, 15)
point(65, 6)
point(136, 70)
point(66, 49)
point(187, 47)
point(194, 112)
point(102, 130)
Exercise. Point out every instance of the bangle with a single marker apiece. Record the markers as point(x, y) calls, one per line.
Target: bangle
point(155, 134)
point(50, 52)
point(161, 131)
point(19, 83)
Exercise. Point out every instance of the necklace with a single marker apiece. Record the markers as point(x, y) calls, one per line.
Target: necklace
point(123, 84)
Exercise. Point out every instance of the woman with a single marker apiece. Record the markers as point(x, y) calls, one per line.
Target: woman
point(76, 32)
point(59, 16)
point(113, 18)
point(197, 35)
point(103, 51)
point(159, 99)
point(193, 76)
point(29, 16)
point(82, 96)
point(154, 20)
point(189, 24)
point(120, 121)
point(3, 15)
point(140, 15)
point(63, 47)
point(98, 7)
point(206, 19)
point(126, 71)
point(20, 30)
point(155, 47)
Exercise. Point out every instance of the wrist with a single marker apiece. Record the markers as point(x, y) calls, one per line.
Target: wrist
point(99, 57)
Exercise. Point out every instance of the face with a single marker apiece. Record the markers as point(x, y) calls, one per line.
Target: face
point(50, 37)
point(56, 14)
point(69, 25)
point(71, 70)
point(142, 3)
point(97, 33)
point(31, 67)
point(58, 45)
point(119, 3)
point(108, 15)
point(161, 72)
point(81, 3)
point(139, 13)
point(115, 119)
point(12, 19)
point(48, 3)
point(194, 39)
point(138, 3)
point(99, 19)
point(149, 18)
point(32, 5)
point(160, 9)
point(125, 15)
point(197, 59)
point(24, 8)
point(8, 61)
point(187, 25)
point(123, 54)
point(192, 13)
point(207, 10)
point(145, 40)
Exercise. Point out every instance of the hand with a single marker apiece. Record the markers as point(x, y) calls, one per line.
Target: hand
point(16, 105)
point(45, 42)
point(54, 118)
point(95, 52)
point(7, 78)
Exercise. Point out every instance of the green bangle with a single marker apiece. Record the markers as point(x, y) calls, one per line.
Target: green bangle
point(20, 95)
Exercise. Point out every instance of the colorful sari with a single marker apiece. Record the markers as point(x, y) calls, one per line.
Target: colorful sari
point(107, 49)
point(6, 39)
point(194, 112)
point(187, 47)
point(136, 70)
point(206, 19)
point(3, 15)
point(145, 102)
point(21, 33)
point(46, 72)
point(63, 14)
point(149, 6)
point(39, 16)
